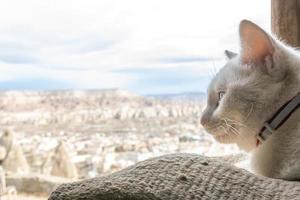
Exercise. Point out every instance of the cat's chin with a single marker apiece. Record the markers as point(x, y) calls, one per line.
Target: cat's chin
point(247, 144)
point(224, 139)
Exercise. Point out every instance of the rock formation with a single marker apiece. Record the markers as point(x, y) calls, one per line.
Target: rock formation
point(62, 163)
point(14, 159)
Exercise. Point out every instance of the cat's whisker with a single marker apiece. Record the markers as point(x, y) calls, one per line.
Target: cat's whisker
point(215, 126)
point(241, 124)
point(228, 126)
point(250, 111)
point(235, 130)
point(224, 129)
point(232, 128)
point(235, 122)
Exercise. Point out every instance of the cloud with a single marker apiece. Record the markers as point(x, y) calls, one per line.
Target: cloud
point(33, 84)
point(94, 44)
point(14, 58)
point(167, 80)
point(184, 59)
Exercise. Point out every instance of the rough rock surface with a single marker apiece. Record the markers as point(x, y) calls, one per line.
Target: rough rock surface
point(179, 176)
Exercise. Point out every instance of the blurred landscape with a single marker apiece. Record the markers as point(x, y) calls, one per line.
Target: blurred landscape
point(51, 137)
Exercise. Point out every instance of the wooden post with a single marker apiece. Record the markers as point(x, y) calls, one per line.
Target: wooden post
point(285, 17)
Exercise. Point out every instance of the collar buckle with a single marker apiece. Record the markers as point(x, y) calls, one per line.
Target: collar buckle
point(267, 131)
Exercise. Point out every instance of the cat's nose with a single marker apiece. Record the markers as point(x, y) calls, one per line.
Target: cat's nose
point(204, 120)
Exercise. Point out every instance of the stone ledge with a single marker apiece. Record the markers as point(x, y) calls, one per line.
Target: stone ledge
point(179, 177)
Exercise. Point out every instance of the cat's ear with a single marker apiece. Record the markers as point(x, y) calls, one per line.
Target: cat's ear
point(230, 54)
point(256, 44)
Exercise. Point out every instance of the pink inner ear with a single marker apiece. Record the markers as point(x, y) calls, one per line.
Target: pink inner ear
point(256, 44)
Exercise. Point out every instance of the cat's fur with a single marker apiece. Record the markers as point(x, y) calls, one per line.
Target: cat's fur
point(257, 82)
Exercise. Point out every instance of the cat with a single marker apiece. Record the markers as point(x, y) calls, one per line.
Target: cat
point(247, 92)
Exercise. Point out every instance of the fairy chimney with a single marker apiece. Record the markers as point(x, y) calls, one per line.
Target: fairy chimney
point(62, 164)
point(13, 158)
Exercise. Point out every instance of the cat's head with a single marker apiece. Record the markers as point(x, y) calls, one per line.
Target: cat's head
point(249, 89)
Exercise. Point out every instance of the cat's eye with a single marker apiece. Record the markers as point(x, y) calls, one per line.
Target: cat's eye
point(221, 95)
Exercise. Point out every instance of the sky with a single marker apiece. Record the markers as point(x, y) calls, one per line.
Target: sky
point(147, 47)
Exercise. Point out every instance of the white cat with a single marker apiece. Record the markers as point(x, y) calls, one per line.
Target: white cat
point(247, 96)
